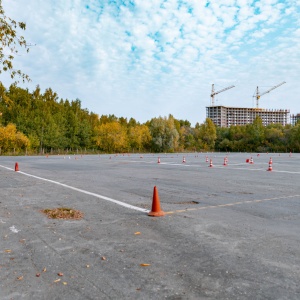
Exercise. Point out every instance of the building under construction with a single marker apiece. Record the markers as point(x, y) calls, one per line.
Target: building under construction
point(224, 116)
point(295, 119)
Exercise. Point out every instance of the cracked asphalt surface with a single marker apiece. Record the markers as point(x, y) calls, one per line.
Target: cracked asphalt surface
point(230, 232)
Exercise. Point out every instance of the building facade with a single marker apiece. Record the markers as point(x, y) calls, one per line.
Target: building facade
point(223, 116)
point(295, 119)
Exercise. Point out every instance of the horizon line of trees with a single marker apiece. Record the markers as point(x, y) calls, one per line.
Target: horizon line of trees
point(40, 122)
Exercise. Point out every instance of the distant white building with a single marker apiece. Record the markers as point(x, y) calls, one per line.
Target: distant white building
point(295, 119)
point(223, 116)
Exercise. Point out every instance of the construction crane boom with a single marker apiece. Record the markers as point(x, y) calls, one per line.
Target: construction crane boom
point(258, 95)
point(213, 93)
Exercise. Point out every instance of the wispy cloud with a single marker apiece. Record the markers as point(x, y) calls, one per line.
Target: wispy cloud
point(142, 58)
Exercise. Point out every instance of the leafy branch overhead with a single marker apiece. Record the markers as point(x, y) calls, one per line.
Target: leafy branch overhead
point(10, 43)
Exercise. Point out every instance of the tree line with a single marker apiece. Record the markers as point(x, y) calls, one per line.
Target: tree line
point(40, 122)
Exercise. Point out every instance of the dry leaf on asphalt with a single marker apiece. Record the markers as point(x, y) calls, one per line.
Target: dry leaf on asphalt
point(145, 265)
point(137, 233)
point(57, 280)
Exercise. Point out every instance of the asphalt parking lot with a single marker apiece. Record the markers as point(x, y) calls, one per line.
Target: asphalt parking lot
point(230, 232)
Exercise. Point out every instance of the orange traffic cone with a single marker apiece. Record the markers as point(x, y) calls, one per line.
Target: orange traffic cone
point(210, 164)
point(156, 210)
point(16, 167)
point(158, 161)
point(251, 161)
point(270, 165)
point(183, 160)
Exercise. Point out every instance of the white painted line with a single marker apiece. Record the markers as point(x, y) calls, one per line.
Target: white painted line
point(245, 169)
point(215, 166)
point(6, 168)
point(84, 192)
point(276, 171)
point(88, 193)
point(232, 204)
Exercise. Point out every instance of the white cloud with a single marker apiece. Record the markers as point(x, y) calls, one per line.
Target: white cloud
point(123, 60)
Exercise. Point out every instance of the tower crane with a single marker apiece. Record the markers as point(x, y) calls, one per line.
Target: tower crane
point(213, 93)
point(258, 94)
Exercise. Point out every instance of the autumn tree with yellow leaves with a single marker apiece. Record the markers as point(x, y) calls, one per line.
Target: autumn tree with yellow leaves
point(139, 137)
point(111, 137)
point(12, 140)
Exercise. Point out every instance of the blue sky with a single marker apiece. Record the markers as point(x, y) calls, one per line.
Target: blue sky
point(145, 59)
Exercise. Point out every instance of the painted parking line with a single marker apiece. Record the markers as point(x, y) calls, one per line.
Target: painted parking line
point(289, 172)
point(231, 204)
point(195, 166)
point(215, 166)
point(83, 191)
point(6, 168)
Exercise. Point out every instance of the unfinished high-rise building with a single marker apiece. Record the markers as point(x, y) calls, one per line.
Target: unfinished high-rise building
point(224, 116)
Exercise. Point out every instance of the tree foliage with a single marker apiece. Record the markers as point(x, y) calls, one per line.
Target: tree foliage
point(164, 134)
point(12, 140)
point(208, 134)
point(10, 42)
point(40, 122)
point(111, 137)
point(139, 137)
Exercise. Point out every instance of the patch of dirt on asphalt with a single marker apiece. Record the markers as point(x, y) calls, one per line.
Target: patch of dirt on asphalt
point(63, 213)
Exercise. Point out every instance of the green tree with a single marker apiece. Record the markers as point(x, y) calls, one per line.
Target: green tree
point(222, 142)
point(293, 138)
point(255, 135)
point(132, 122)
point(186, 138)
point(237, 139)
point(274, 137)
point(11, 41)
point(106, 119)
point(208, 134)
point(165, 137)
